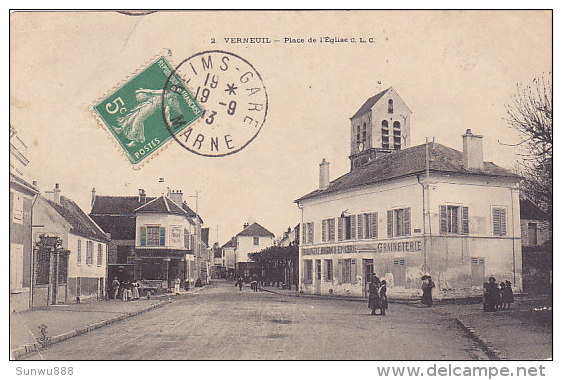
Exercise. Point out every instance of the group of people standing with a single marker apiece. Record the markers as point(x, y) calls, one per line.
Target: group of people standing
point(377, 296)
point(125, 291)
point(496, 298)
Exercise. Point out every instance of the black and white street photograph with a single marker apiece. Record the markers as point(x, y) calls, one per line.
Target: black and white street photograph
point(281, 185)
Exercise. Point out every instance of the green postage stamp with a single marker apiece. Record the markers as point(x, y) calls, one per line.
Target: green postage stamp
point(135, 112)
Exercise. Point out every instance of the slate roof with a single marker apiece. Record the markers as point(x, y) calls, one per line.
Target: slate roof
point(121, 227)
point(406, 162)
point(230, 243)
point(369, 103)
point(162, 204)
point(80, 223)
point(530, 211)
point(116, 205)
point(255, 230)
point(22, 184)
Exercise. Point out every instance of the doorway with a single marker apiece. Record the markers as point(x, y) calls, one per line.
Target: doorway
point(368, 270)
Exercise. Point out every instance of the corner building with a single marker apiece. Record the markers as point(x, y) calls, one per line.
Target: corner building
point(402, 212)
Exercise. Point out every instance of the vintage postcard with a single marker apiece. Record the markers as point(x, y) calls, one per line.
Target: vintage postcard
point(282, 185)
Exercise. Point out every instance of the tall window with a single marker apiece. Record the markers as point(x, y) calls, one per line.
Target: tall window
point(367, 226)
point(329, 275)
point(364, 133)
point(79, 252)
point(347, 227)
point(100, 255)
point(390, 106)
point(385, 134)
point(308, 271)
point(89, 252)
point(329, 230)
point(308, 233)
point(358, 134)
point(319, 270)
point(397, 137)
point(256, 240)
point(398, 222)
point(499, 218)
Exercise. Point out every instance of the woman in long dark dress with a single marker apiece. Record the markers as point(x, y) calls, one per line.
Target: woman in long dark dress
point(427, 286)
point(495, 295)
point(374, 301)
point(383, 300)
point(508, 294)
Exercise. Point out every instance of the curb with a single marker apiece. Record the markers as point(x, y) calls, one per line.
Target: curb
point(489, 350)
point(30, 348)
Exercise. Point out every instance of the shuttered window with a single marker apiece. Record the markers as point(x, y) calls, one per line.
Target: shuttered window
point(89, 253)
point(100, 255)
point(360, 224)
point(374, 227)
point(143, 235)
point(367, 226)
point(499, 218)
point(79, 252)
point(310, 233)
point(398, 222)
point(324, 229)
point(329, 270)
point(340, 228)
point(353, 227)
point(453, 219)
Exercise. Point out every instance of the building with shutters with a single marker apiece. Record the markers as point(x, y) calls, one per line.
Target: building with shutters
point(154, 239)
point(402, 212)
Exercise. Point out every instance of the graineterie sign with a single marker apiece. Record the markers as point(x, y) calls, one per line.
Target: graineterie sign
point(413, 245)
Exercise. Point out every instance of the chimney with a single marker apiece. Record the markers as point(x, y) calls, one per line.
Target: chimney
point(324, 174)
point(473, 153)
point(93, 195)
point(246, 225)
point(177, 197)
point(142, 196)
point(56, 194)
point(34, 183)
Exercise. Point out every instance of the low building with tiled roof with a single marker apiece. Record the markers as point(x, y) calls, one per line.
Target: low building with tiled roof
point(154, 239)
point(80, 269)
point(403, 212)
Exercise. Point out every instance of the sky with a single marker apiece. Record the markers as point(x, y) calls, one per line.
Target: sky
point(454, 69)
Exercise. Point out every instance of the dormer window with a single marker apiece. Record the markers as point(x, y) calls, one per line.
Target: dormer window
point(390, 106)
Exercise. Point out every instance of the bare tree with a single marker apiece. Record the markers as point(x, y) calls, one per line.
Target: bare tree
point(530, 113)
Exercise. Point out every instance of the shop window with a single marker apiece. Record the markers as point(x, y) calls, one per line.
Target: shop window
point(398, 222)
point(308, 271)
point(499, 219)
point(329, 273)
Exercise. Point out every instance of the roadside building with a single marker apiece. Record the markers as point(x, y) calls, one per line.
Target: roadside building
point(536, 242)
point(23, 195)
point(253, 238)
point(402, 212)
point(229, 254)
point(154, 239)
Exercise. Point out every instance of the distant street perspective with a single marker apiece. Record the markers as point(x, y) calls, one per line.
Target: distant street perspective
point(223, 322)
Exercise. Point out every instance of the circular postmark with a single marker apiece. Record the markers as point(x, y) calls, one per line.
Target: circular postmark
point(232, 93)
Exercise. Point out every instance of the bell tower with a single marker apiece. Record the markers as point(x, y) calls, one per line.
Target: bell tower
point(380, 126)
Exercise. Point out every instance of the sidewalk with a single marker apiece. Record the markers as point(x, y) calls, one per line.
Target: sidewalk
point(522, 333)
point(67, 321)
